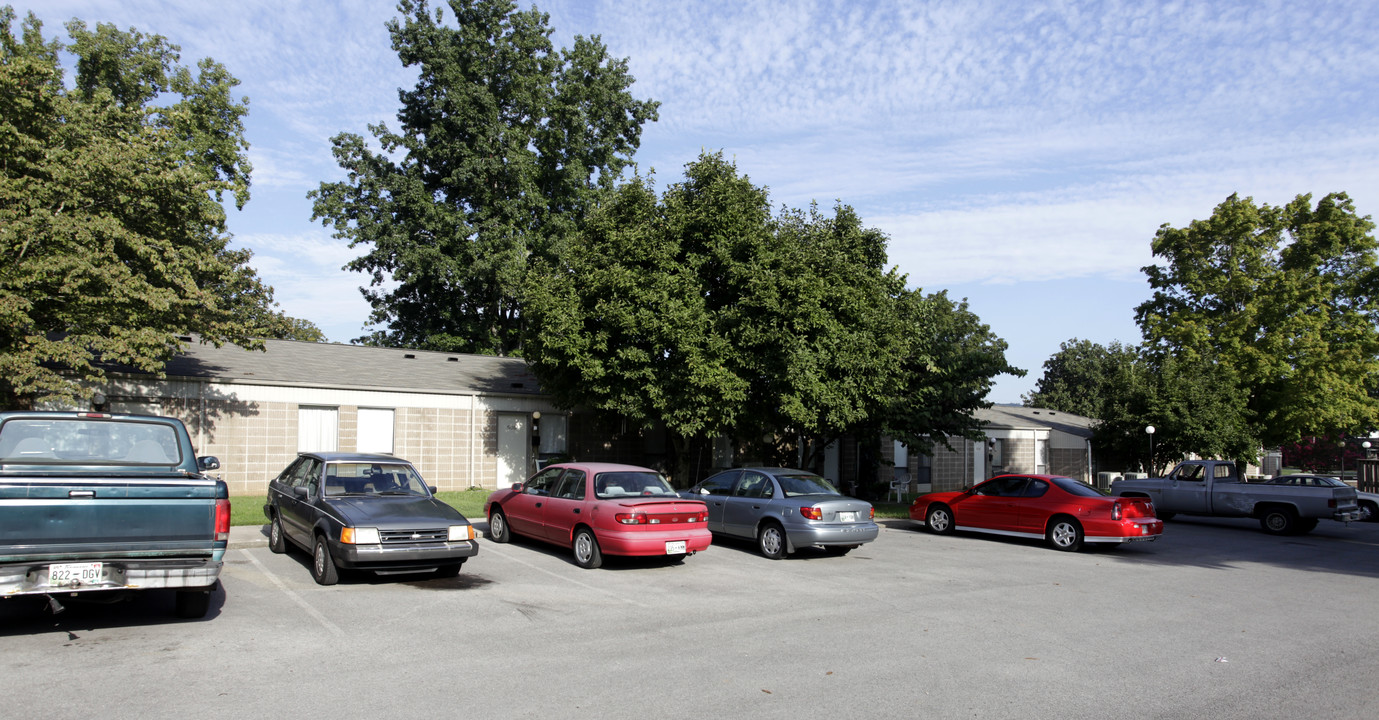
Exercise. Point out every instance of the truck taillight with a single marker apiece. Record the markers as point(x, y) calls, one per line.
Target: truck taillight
point(1331, 503)
point(222, 519)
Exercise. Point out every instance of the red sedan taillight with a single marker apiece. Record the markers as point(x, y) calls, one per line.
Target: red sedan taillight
point(222, 519)
point(641, 518)
point(812, 513)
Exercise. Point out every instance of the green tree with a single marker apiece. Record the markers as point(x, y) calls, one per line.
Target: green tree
point(112, 232)
point(950, 362)
point(700, 312)
point(503, 143)
point(1085, 378)
point(1282, 303)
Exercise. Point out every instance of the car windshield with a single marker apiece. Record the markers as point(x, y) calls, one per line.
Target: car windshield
point(630, 483)
point(361, 478)
point(805, 484)
point(1075, 487)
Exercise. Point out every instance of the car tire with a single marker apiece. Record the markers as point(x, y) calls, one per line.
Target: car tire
point(1279, 521)
point(586, 547)
point(838, 550)
point(771, 541)
point(194, 604)
point(449, 571)
point(498, 527)
point(1373, 509)
point(1065, 534)
point(939, 520)
point(276, 541)
point(323, 569)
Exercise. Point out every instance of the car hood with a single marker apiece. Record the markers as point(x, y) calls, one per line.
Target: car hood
point(384, 512)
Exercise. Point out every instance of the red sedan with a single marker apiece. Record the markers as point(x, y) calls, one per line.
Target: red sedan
point(600, 508)
point(1061, 510)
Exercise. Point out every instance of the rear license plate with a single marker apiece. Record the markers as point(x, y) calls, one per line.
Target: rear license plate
point(675, 547)
point(847, 516)
point(74, 574)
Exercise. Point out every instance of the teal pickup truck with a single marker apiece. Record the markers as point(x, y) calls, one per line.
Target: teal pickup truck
point(93, 504)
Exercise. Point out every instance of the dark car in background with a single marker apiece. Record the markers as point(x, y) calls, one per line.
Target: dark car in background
point(362, 511)
point(784, 510)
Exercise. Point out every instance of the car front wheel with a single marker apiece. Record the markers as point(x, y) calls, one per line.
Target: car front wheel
point(1065, 534)
point(498, 527)
point(939, 520)
point(771, 541)
point(586, 547)
point(323, 569)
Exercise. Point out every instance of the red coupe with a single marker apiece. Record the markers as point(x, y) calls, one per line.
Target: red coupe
point(1062, 510)
point(598, 509)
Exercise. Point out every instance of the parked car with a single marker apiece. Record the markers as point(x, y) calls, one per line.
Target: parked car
point(1061, 510)
point(784, 510)
point(1369, 505)
point(1368, 501)
point(600, 509)
point(361, 511)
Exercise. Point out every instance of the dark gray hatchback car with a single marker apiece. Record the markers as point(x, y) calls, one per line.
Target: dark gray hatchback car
point(362, 511)
point(784, 510)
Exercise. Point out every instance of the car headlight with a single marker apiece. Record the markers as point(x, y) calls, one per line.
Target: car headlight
point(461, 532)
point(360, 536)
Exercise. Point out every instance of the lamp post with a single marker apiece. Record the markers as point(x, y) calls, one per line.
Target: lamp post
point(1150, 431)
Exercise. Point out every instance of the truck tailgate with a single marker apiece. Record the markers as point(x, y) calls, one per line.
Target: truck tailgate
point(92, 519)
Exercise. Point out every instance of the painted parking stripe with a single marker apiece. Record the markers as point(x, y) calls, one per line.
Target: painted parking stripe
point(313, 612)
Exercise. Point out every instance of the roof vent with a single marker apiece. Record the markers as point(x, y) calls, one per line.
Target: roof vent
point(518, 385)
point(409, 356)
point(452, 359)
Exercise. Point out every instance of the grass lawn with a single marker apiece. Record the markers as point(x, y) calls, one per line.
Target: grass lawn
point(248, 509)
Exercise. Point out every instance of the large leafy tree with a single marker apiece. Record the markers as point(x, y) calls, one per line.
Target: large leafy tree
point(1085, 378)
point(501, 147)
point(113, 242)
point(1282, 304)
point(950, 361)
point(700, 312)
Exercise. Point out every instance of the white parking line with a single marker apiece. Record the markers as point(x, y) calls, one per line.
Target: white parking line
point(586, 586)
point(313, 612)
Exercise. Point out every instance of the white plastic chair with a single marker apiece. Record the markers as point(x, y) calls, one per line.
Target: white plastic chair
point(900, 484)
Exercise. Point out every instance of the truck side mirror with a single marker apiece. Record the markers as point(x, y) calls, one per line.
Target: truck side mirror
point(208, 462)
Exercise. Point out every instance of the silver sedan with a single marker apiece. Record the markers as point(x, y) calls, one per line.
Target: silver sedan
point(785, 510)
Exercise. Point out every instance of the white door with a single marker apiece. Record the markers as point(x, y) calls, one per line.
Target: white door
point(514, 442)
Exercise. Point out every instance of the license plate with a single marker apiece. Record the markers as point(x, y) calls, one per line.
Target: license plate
point(74, 574)
point(847, 516)
point(675, 547)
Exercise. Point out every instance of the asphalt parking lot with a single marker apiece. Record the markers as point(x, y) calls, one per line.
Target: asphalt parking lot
point(1216, 619)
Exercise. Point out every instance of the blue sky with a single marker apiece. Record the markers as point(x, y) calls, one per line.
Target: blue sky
point(1018, 154)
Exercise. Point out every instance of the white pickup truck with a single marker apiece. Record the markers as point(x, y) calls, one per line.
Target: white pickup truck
point(1214, 488)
